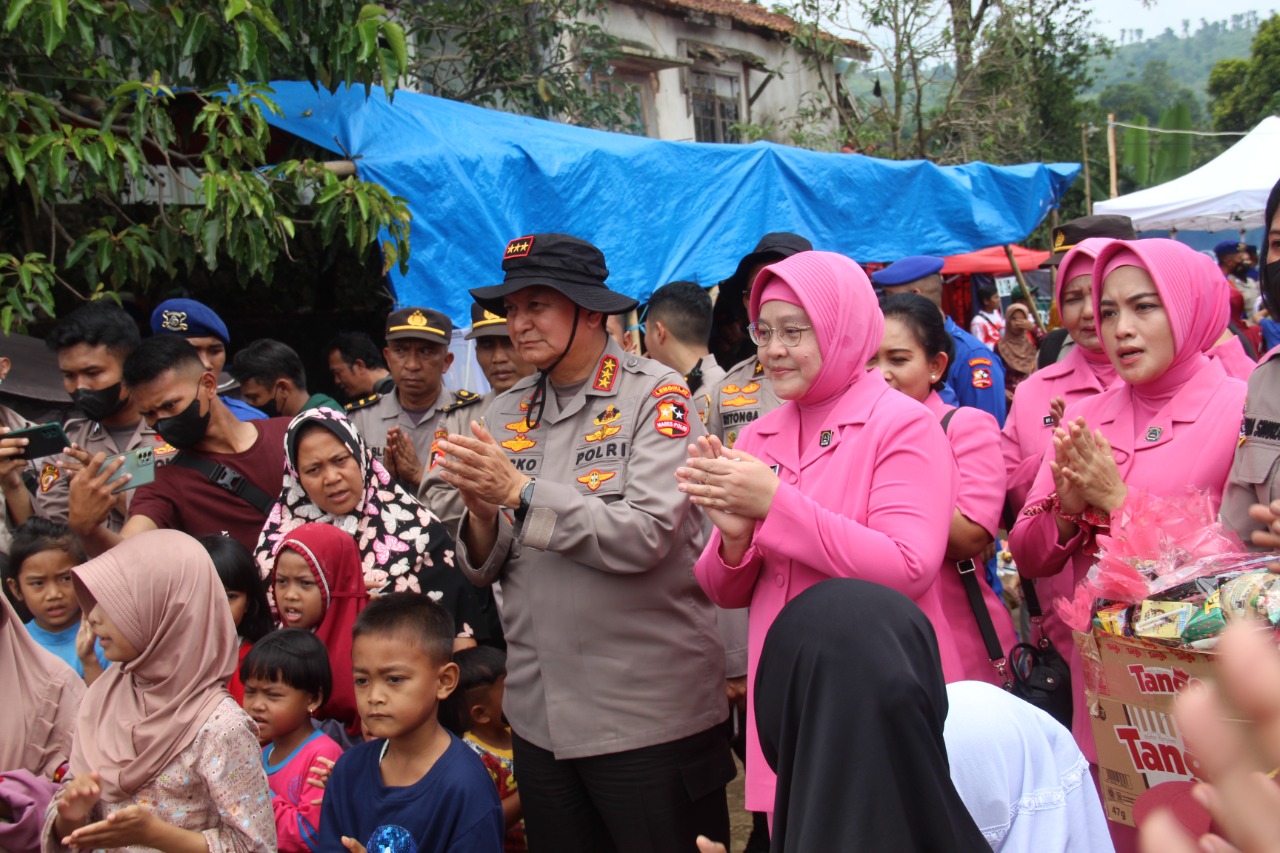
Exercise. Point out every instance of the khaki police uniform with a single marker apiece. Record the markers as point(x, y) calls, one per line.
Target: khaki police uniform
point(1255, 471)
point(612, 644)
point(706, 391)
point(437, 495)
point(744, 395)
point(377, 413)
point(53, 492)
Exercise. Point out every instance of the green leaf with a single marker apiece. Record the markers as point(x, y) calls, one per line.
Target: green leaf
point(179, 17)
point(194, 38)
point(16, 8)
point(394, 34)
point(235, 8)
point(76, 252)
point(13, 154)
point(368, 39)
point(53, 35)
point(38, 145)
point(369, 11)
point(248, 37)
point(59, 8)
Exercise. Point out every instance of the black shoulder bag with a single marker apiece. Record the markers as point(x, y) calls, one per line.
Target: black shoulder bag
point(229, 479)
point(1035, 673)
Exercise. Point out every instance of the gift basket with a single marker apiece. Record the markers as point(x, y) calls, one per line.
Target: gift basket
point(1169, 573)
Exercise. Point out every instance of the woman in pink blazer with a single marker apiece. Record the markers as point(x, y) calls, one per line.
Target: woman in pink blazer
point(1084, 371)
point(848, 478)
point(913, 358)
point(1171, 422)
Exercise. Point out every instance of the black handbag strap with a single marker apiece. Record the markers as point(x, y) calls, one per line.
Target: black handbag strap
point(229, 479)
point(968, 570)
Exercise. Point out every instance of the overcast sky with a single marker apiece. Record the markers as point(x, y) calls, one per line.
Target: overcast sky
point(1116, 15)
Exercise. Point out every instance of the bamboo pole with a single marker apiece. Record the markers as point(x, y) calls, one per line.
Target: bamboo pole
point(1088, 187)
point(1111, 153)
point(1026, 291)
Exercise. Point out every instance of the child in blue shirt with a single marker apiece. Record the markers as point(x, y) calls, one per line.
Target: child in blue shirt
point(41, 558)
point(415, 788)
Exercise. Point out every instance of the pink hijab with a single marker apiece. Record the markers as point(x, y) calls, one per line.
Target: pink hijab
point(844, 311)
point(42, 694)
point(161, 590)
point(1077, 262)
point(1197, 312)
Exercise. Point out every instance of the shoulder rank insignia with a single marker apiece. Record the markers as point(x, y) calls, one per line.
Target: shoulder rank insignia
point(606, 374)
point(759, 371)
point(363, 402)
point(464, 398)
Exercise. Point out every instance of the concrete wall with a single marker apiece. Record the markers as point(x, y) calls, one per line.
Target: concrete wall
point(668, 113)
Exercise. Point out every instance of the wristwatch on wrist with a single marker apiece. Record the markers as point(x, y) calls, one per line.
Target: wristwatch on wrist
point(526, 497)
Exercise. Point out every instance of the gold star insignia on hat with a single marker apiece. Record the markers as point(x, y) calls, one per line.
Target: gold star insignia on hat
point(1059, 240)
point(519, 247)
point(417, 319)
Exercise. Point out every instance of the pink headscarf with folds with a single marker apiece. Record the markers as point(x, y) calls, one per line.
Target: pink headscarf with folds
point(1077, 262)
point(1197, 312)
point(161, 591)
point(844, 311)
point(42, 694)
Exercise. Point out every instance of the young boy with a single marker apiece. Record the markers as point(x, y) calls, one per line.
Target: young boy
point(415, 788)
point(481, 682)
point(41, 558)
point(286, 677)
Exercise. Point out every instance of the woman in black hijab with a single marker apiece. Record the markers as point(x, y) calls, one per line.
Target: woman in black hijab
point(850, 705)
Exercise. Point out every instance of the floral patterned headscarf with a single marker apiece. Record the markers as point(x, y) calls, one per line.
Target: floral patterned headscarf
point(398, 538)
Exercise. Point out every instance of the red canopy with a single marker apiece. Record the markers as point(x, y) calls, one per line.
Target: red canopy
point(994, 261)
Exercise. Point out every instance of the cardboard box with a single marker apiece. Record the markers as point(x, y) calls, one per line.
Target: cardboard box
point(1130, 686)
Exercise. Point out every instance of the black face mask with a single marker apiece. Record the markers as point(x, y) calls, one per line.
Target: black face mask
point(185, 429)
point(1242, 270)
point(100, 404)
point(1270, 279)
point(269, 408)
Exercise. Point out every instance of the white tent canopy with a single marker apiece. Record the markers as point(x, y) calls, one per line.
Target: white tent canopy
point(1228, 192)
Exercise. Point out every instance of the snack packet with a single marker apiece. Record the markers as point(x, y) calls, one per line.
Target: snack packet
point(1162, 620)
point(1208, 621)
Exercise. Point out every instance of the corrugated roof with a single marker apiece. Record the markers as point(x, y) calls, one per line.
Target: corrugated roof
point(749, 14)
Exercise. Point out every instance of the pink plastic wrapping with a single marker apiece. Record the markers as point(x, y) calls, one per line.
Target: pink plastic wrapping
point(1156, 543)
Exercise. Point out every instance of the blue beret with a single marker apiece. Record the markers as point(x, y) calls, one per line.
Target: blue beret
point(1228, 247)
point(188, 318)
point(907, 270)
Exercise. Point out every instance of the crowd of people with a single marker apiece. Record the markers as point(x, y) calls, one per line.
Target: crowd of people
point(546, 616)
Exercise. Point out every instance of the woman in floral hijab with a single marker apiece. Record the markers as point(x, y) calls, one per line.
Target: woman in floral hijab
point(331, 477)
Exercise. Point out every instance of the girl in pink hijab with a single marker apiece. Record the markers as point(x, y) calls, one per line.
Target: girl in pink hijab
point(848, 478)
point(162, 756)
point(1039, 400)
point(1170, 421)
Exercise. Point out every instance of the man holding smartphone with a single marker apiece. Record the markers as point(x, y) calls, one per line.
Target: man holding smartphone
point(92, 344)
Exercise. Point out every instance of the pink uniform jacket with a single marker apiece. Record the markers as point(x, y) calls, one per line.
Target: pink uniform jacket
point(875, 503)
point(1028, 431)
point(974, 437)
point(1234, 359)
point(1192, 447)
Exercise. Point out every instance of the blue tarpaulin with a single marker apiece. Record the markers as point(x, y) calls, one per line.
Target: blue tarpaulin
point(660, 211)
